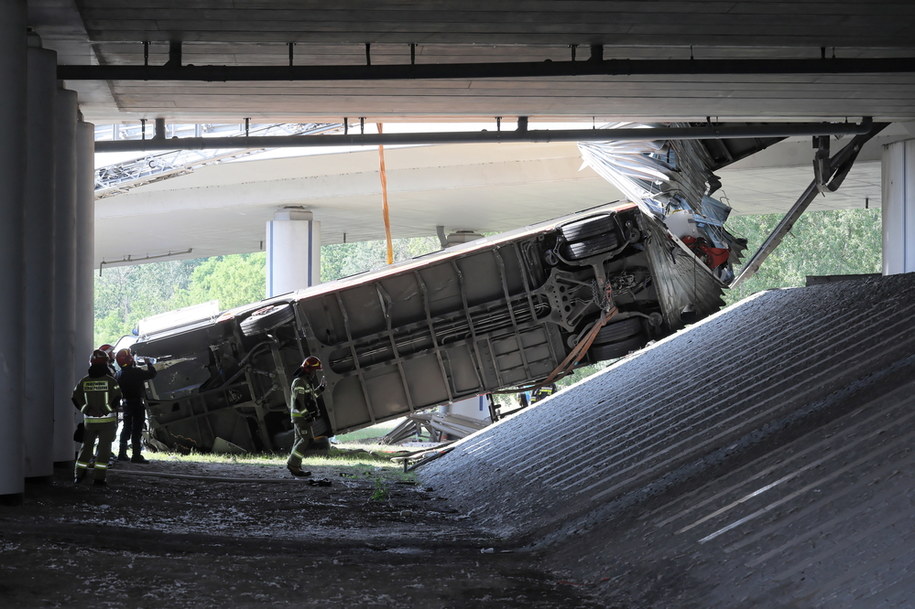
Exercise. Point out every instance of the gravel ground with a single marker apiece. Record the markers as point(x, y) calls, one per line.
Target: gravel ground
point(182, 534)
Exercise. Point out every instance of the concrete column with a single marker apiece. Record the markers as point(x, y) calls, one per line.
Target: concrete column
point(898, 207)
point(67, 362)
point(38, 394)
point(84, 285)
point(12, 169)
point(293, 251)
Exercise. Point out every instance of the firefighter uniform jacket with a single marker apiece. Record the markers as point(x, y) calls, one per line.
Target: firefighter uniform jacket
point(304, 398)
point(132, 381)
point(97, 397)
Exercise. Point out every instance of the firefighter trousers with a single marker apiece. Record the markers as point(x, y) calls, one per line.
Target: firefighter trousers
point(104, 433)
point(132, 430)
point(303, 438)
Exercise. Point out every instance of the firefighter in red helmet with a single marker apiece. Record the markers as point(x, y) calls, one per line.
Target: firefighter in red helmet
point(132, 380)
point(97, 396)
point(308, 383)
point(109, 350)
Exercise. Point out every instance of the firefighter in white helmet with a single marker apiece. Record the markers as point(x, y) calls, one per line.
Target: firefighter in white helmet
point(308, 383)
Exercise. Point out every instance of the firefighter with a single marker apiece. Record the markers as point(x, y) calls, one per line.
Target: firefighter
point(131, 379)
point(308, 383)
point(541, 393)
point(97, 396)
point(109, 351)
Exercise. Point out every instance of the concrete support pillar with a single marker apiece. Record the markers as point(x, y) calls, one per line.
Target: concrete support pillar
point(38, 394)
point(293, 251)
point(66, 360)
point(12, 169)
point(898, 203)
point(84, 285)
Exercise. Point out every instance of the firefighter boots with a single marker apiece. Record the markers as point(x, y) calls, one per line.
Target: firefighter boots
point(297, 471)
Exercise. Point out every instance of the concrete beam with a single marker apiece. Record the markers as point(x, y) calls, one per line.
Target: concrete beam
point(521, 69)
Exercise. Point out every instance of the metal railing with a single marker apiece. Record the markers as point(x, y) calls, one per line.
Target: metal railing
point(120, 177)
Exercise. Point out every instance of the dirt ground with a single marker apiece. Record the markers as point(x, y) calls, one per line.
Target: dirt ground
point(193, 534)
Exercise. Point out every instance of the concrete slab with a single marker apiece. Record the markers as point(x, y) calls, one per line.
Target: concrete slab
point(223, 209)
point(760, 458)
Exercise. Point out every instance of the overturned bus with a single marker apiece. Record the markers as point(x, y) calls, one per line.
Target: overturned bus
point(497, 313)
point(487, 315)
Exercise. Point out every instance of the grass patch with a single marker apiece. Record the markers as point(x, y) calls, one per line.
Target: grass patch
point(366, 434)
point(356, 460)
point(381, 491)
point(349, 461)
point(353, 456)
point(253, 459)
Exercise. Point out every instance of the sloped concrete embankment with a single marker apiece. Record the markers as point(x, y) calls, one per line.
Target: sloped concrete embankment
point(761, 458)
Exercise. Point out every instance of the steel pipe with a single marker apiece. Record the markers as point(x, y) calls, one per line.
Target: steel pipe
point(522, 69)
point(526, 135)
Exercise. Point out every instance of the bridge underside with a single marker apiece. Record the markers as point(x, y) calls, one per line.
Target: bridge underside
point(761, 458)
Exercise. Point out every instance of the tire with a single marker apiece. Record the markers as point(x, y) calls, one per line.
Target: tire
point(266, 319)
point(617, 331)
point(587, 227)
point(617, 349)
point(590, 246)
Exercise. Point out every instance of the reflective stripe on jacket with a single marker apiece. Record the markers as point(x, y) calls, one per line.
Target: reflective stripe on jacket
point(97, 397)
point(303, 397)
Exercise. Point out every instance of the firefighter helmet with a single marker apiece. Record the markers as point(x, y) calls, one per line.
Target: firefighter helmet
point(124, 358)
point(311, 363)
point(109, 349)
point(98, 357)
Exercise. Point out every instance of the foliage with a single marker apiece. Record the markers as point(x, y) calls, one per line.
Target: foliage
point(344, 259)
point(835, 242)
point(126, 294)
point(233, 280)
point(380, 493)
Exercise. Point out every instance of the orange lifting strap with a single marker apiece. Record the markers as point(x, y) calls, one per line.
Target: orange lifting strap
point(384, 201)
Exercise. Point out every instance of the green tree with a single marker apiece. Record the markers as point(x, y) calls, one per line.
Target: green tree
point(126, 294)
point(345, 259)
point(834, 242)
point(233, 280)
